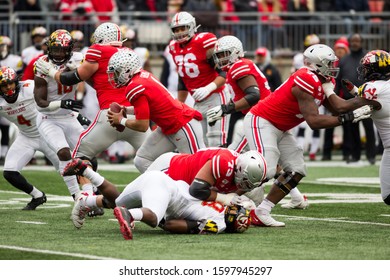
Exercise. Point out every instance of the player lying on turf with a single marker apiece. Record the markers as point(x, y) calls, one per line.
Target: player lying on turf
point(157, 200)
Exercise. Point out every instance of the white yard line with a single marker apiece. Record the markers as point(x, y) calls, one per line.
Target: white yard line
point(331, 220)
point(92, 257)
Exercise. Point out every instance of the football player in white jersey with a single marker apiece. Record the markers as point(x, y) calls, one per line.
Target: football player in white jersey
point(18, 106)
point(374, 69)
point(16, 63)
point(157, 200)
point(57, 121)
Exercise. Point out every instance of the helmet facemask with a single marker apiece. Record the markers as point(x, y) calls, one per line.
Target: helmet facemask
point(237, 219)
point(375, 65)
point(8, 77)
point(123, 65)
point(251, 171)
point(321, 59)
point(227, 51)
point(183, 27)
point(60, 47)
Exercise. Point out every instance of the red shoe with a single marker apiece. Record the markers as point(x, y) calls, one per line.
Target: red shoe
point(264, 220)
point(125, 220)
point(312, 157)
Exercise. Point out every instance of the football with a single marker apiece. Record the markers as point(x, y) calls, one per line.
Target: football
point(116, 108)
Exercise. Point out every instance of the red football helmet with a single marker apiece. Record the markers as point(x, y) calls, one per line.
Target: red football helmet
point(8, 76)
point(60, 46)
point(237, 219)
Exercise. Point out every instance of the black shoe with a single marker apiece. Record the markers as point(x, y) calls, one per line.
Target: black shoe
point(371, 161)
point(96, 212)
point(35, 202)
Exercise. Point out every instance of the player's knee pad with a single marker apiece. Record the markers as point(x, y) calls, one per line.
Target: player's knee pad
point(12, 176)
point(142, 164)
point(287, 181)
point(387, 200)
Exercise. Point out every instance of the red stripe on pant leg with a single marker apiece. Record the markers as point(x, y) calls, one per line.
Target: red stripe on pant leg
point(191, 137)
point(84, 133)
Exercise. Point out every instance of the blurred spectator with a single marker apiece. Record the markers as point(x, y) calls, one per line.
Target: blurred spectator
point(352, 7)
point(341, 48)
point(306, 8)
point(143, 6)
point(37, 35)
point(301, 6)
point(275, 35)
point(108, 10)
point(263, 61)
point(246, 32)
point(79, 43)
point(28, 6)
point(204, 11)
point(28, 73)
point(351, 137)
point(77, 11)
point(7, 58)
point(174, 6)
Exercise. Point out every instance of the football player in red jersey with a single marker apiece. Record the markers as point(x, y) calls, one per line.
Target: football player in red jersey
point(249, 85)
point(99, 135)
point(268, 124)
point(244, 78)
point(157, 200)
point(192, 54)
point(178, 125)
point(215, 174)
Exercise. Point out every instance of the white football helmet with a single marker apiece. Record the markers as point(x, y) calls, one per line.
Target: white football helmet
point(227, 51)
point(321, 58)
point(183, 19)
point(106, 33)
point(123, 65)
point(251, 170)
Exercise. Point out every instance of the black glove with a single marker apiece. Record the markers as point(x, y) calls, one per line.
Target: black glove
point(83, 120)
point(356, 115)
point(73, 105)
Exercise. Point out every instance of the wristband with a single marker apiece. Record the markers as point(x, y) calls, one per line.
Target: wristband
point(123, 121)
point(54, 105)
point(211, 86)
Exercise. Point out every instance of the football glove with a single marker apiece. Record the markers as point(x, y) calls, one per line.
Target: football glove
point(73, 105)
point(349, 86)
point(83, 120)
point(356, 115)
point(201, 93)
point(71, 65)
point(45, 67)
point(216, 113)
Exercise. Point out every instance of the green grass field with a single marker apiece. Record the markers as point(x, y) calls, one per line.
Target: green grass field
point(346, 220)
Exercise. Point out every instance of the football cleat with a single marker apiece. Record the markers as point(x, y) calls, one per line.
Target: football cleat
point(303, 204)
point(126, 222)
point(264, 220)
point(80, 209)
point(96, 212)
point(35, 202)
point(75, 167)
